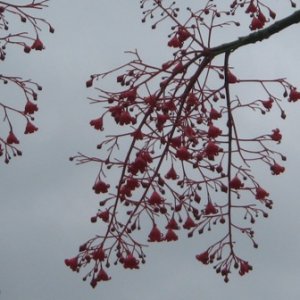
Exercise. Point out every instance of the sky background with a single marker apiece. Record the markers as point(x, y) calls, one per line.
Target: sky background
point(46, 201)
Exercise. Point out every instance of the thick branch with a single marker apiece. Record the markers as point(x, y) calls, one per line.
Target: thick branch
point(257, 36)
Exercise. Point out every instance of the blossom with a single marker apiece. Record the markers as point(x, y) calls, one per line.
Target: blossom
point(130, 262)
point(172, 224)
point(104, 215)
point(203, 257)
point(72, 263)
point(97, 123)
point(210, 209)
point(30, 128)
point(99, 254)
point(277, 169)
point(171, 235)
point(12, 139)
point(261, 194)
point(37, 45)
point(155, 199)
point(236, 183)
point(182, 153)
point(276, 135)
point(102, 275)
point(171, 174)
point(213, 131)
point(100, 187)
point(294, 95)
point(155, 235)
point(30, 108)
point(189, 223)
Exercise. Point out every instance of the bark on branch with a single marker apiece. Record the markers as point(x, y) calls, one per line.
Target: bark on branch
point(257, 36)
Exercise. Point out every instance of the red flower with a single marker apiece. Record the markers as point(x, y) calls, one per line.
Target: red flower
point(261, 194)
point(155, 235)
point(99, 254)
point(30, 108)
point(210, 209)
point(172, 224)
point(100, 187)
point(97, 123)
point(214, 114)
point(256, 24)
point(236, 183)
point(37, 45)
point(104, 215)
point(171, 236)
point(30, 128)
point(244, 267)
point(277, 169)
point(213, 131)
point(155, 199)
point(276, 135)
point(102, 275)
point(130, 262)
point(212, 150)
point(12, 139)
point(175, 42)
point(189, 223)
point(203, 257)
point(72, 263)
point(171, 174)
point(231, 77)
point(294, 95)
point(183, 154)
point(268, 103)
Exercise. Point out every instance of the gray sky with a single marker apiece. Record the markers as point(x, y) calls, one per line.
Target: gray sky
point(46, 201)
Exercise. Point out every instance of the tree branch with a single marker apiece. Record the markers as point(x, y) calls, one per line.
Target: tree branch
point(257, 36)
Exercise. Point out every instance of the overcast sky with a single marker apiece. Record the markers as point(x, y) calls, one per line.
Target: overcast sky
point(47, 201)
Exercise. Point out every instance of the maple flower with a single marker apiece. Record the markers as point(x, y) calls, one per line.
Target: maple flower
point(30, 108)
point(294, 95)
point(72, 263)
point(212, 150)
point(100, 187)
point(231, 77)
point(102, 275)
point(99, 254)
point(30, 128)
point(203, 257)
point(174, 42)
point(155, 199)
point(213, 131)
point(244, 267)
point(214, 114)
point(189, 223)
point(210, 209)
point(104, 215)
point(172, 224)
point(268, 103)
point(236, 183)
point(277, 169)
point(256, 24)
point(12, 139)
point(155, 235)
point(171, 174)
point(276, 135)
point(37, 45)
point(130, 262)
point(97, 123)
point(261, 194)
point(171, 235)
point(183, 154)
